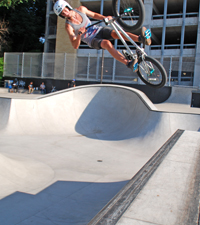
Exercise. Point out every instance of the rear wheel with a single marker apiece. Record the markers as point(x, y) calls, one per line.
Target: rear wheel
point(134, 18)
point(151, 72)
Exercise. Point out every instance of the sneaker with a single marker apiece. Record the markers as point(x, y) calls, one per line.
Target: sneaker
point(145, 36)
point(126, 55)
point(133, 65)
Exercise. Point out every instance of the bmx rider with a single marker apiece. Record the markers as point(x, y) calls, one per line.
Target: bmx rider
point(96, 37)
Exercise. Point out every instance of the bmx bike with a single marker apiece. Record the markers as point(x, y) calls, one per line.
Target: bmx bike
point(150, 70)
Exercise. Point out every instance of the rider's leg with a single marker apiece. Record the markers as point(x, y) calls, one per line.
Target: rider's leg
point(106, 44)
point(132, 36)
point(141, 38)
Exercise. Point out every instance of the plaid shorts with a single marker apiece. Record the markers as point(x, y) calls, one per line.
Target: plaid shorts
point(104, 33)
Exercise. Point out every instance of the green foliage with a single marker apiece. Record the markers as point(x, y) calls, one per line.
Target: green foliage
point(26, 25)
point(1, 67)
point(10, 3)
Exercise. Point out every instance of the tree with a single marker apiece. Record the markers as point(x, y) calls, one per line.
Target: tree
point(10, 3)
point(1, 68)
point(26, 25)
point(3, 35)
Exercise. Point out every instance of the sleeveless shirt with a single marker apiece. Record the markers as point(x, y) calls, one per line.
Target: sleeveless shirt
point(90, 33)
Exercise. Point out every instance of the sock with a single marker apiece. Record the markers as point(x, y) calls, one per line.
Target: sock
point(140, 39)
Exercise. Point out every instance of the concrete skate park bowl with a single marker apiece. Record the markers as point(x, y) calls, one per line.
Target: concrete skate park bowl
point(65, 155)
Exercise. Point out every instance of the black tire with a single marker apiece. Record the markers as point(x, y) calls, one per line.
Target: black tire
point(132, 21)
point(151, 72)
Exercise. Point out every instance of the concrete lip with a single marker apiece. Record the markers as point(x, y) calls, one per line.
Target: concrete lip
point(65, 155)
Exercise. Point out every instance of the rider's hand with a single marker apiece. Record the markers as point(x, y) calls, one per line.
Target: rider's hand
point(109, 17)
point(81, 30)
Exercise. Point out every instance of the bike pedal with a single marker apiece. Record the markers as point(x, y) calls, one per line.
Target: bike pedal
point(140, 55)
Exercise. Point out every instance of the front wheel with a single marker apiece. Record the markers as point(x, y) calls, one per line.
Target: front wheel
point(134, 18)
point(151, 72)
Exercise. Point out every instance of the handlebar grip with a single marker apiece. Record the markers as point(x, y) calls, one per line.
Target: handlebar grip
point(106, 21)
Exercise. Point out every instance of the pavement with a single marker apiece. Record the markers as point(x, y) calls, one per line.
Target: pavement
point(171, 196)
point(179, 101)
point(65, 155)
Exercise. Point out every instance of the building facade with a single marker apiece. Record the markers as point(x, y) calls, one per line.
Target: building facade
point(175, 27)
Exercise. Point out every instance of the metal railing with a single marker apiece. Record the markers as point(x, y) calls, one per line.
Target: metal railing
point(64, 66)
point(174, 46)
point(175, 15)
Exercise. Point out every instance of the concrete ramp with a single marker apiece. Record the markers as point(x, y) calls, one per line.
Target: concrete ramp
point(99, 112)
point(4, 112)
point(65, 155)
point(181, 95)
point(22, 173)
point(179, 101)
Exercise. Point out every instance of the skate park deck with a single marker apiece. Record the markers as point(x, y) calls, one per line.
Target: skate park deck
point(65, 155)
point(179, 101)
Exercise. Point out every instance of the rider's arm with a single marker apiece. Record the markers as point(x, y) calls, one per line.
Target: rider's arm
point(75, 40)
point(95, 15)
point(92, 14)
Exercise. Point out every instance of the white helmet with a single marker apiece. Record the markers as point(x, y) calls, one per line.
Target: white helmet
point(59, 6)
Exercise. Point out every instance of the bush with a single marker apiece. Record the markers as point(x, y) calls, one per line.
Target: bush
point(1, 67)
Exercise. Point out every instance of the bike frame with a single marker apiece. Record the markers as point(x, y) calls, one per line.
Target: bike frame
point(118, 28)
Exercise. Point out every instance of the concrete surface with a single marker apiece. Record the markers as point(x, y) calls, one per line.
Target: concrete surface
point(179, 101)
point(64, 155)
point(6, 92)
point(171, 196)
point(181, 95)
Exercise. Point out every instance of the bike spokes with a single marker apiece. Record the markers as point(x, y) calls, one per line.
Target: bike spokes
point(150, 73)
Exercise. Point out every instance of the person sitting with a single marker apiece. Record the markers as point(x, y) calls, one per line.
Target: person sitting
point(72, 83)
point(30, 88)
point(15, 86)
point(43, 88)
point(10, 87)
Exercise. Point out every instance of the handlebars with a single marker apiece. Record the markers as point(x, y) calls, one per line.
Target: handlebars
point(107, 21)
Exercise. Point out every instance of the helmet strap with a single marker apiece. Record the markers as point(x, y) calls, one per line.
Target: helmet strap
point(63, 16)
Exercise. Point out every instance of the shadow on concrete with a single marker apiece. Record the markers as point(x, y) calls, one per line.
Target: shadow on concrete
point(5, 104)
point(117, 115)
point(63, 202)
